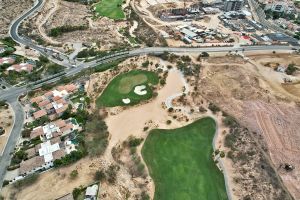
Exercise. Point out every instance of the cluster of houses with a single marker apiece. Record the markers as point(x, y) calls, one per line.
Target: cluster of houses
point(52, 105)
point(20, 67)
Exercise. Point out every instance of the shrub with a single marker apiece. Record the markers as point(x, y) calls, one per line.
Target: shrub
point(5, 183)
point(230, 139)
point(111, 173)
point(145, 64)
point(27, 181)
point(186, 59)
point(222, 154)
point(99, 175)
point(213, 108)
point(162, 81)
point(291, 69)
point(230, 154)
point(134, 142)
point(3, 103)
point(169, 122)
point(74, 174)
point(217, 151)
point(229, 121)
point(171, 109)
point(76, 192)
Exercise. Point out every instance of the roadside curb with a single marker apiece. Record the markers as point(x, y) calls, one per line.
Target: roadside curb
point(12, 127)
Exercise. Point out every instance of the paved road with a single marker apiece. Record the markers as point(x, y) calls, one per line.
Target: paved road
point(12, 140)
point(13, 31)
point(11, 94)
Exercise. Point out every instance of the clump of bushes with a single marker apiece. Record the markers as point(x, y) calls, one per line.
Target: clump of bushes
point(27, 181)
point(213, 108)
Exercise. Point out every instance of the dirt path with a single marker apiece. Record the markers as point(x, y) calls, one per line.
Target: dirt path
point(132, 28)
point(53, 9)
point(133, 120)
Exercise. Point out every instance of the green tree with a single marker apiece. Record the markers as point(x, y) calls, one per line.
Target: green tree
point(74, 174)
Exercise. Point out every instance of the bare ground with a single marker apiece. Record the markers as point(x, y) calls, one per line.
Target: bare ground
point(10, 9)
point(6, 122)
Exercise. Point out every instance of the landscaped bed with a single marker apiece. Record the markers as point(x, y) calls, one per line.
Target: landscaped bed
point(110, 8)
point(181, 165)
point(128, 89)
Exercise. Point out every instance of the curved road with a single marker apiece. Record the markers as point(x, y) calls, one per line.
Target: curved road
point(11, 95)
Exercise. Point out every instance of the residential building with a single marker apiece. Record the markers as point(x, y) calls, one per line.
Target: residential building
point(40, 113)
point(47, 153)
point(7, 60)
point(54, 102)
point(21, 67)
point(91, 192)
point(55, 129)
point(233, 5)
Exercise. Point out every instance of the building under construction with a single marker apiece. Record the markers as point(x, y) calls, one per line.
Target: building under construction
point(192, 12)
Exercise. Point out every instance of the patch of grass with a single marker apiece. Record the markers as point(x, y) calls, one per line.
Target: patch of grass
point(122, 87)
point(181, 165)
point(110, 8)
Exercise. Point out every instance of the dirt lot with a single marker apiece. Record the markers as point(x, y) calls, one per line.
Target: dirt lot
point(10, 9)
point(247, 90)
point(60, 13)
point(254, 95)
point(6, 121)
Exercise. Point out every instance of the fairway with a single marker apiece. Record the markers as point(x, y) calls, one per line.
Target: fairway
point(181, 165)
point(122, 87)
point(110, 8)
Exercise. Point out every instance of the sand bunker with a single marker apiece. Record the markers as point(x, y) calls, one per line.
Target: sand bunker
point(126, 101)
point(140, 90)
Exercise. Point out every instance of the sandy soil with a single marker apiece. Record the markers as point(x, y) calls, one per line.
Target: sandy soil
point(53, 180)
point(256, 98)
point(59, 13)
point(6, 121)
point(10, 9)
point(239, 87)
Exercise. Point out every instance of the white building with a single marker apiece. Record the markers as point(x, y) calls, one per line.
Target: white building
point(233, 5)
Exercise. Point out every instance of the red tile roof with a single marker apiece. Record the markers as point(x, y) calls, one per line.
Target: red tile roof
point(36, 132)
point(37, 99)
point(44, 103)
point(39, 114)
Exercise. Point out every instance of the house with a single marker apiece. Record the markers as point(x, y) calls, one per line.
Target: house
point(7, 60)
point(39, 114)
point(55, 129)
point(21, 67)
point(91, 192)
point(37, 99)
point(47, 152)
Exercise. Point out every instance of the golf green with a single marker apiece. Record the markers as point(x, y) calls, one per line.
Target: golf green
point(110, 8)
point(181, 165)
point(122, 87)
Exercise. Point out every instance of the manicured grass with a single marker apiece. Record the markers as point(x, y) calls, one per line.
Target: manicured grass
point(110, 8)
point(181, 165)
point(122, 87)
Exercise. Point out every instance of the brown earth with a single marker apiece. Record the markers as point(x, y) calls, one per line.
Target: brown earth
point(254, 95)
point(61, 13)
point(247, 90)
point(6, 122)
point(10, 9)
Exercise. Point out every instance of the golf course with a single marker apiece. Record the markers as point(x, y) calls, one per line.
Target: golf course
point(110, 8)
point(181, 165)
point(128, 89)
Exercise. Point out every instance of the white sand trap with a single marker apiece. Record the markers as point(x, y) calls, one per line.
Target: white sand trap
point(140, 90)
point(126, 101)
